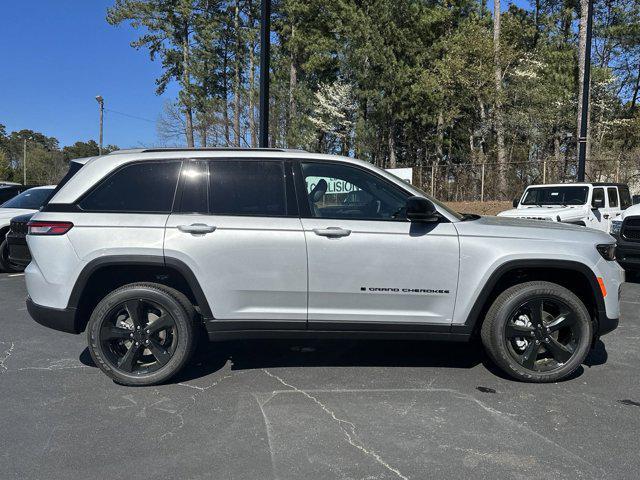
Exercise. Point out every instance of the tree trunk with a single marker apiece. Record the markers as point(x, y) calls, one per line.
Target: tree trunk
point(582, 46)
point(498, 118)
point(634, 98)
point(186, 79)
point(236, 76)
point(392, 148)
point(252, 79)
point(440, 138)
point(293, 82)
point(225, 93)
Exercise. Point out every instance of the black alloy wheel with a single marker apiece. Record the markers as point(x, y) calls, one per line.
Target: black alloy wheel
point(542, 334)
point(139, 336)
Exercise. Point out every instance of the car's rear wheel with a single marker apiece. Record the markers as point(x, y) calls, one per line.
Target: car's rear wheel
point(537, 332)
point(5, 263)
point(142, 333)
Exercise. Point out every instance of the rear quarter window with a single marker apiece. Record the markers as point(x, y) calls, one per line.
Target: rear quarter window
point(146, 187)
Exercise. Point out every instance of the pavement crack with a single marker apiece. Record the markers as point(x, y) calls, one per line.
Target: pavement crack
point(349, 431)
point(5, 356)
point(194, 400)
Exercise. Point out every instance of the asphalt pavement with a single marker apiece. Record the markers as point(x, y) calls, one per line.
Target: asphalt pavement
point(314, 410)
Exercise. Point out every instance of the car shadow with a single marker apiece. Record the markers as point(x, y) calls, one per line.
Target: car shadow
point(211, 357)
point(254, 354)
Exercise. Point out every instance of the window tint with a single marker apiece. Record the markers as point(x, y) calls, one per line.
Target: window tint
point(246, 187)
point(343, 191)
point(625, 197)
point(612, 193)
point(195, 186)
point(32, 199)
point(141, 187)
point(598, 197)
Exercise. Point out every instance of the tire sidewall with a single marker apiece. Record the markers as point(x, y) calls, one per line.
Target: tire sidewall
point(513, 298)
point(185, 336)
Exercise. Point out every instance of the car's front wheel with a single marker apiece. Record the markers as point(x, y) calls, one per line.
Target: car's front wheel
point(142, 333)
point(537, 332)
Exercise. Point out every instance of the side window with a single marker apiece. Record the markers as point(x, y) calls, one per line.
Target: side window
point(247, 187)
point(612, 193)
point(346, 192)
point(625, 197)
point(194, 179)
point(140, 187)
point(598, 198)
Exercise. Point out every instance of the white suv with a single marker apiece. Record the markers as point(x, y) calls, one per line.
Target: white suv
point(152, 245)
point(593, 205)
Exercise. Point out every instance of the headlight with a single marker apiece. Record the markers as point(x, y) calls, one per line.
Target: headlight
point(607, 251)
point(616, 227)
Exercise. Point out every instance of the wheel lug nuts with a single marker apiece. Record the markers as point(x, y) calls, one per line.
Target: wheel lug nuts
point(131, 335)
point(146, 342)
point(147, 331)
point(537, 342)
point(137, 344)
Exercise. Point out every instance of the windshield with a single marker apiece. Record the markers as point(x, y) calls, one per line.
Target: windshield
point(32, 199)
point(556, 196)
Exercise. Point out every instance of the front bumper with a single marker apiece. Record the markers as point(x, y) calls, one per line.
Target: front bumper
point(628, 254)
point(64, 320)
point(606, 325)
point(18, 250)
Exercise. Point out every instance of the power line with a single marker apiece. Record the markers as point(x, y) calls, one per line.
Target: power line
point(130, 116)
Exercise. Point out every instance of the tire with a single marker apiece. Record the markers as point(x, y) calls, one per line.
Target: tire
point(127, 344)
point(5, 264)
point(563, 331)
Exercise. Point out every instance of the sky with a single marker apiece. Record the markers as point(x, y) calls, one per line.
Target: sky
point(58, 55)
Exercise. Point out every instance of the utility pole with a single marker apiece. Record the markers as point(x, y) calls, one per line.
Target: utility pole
point(100, 100)
point(24, 161)
point(584, 119)
point(265, 54)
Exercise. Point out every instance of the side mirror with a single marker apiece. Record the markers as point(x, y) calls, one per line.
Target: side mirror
point(420, 209)
point(597, 203)
point(516, 202)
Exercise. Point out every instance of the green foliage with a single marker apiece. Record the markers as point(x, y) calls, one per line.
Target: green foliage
point(46, 162)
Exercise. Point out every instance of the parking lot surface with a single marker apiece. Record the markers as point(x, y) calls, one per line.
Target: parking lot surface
point(313, 410)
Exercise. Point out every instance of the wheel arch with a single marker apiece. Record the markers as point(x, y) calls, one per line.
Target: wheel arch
point(104, 274)
point(575, 276)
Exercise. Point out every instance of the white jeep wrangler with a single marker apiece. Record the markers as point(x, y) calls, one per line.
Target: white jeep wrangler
point(592, 205)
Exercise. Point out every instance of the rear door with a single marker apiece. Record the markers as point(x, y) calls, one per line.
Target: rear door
point(612, 209)
point(368, 266)
point(237, 228)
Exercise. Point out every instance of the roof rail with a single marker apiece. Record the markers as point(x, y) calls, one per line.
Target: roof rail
point(203, 149)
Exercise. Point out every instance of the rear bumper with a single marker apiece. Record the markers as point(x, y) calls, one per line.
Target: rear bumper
point(57, 319)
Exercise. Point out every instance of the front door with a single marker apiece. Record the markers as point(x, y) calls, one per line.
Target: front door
point(238, 233)
point(368, 265)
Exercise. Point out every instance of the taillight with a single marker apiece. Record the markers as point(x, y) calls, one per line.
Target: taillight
point(49, 228)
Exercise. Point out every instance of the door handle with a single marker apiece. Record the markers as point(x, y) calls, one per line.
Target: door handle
point(332, 232)
point(606, 216)
point(197, 228)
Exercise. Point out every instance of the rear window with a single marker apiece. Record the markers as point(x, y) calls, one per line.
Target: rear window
point(625, 197)
point(32, 199)
point(147, 187)
point(612, 193)
point(245, 187)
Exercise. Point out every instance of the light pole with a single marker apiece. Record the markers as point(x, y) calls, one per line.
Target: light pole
point(100, 100)
point(265, 45)
point(584, 118)
point(24, 161)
